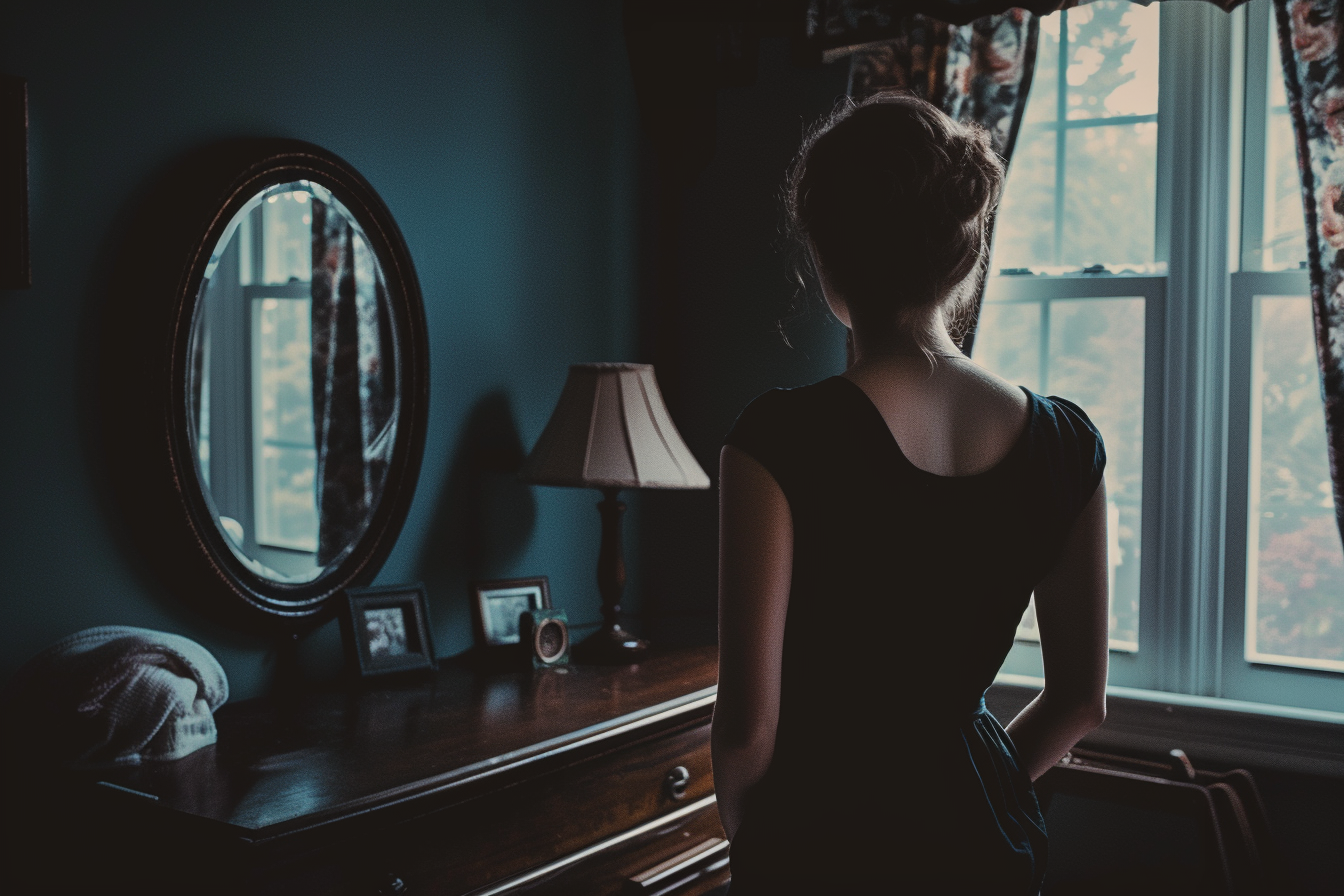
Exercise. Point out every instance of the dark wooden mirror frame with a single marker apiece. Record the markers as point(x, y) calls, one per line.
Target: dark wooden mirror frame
point(147, 357)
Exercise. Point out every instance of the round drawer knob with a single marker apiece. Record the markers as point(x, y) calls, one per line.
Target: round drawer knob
point(676, 782)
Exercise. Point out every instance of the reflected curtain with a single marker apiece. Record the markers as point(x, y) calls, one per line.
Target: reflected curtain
point(1309, 43)
point(354, 399)
point(979, 72)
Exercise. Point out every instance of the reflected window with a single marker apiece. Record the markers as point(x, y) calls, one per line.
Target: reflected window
point(276, 273)
point(285, 461)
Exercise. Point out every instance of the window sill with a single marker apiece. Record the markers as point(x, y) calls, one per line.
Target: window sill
point(1213, 731)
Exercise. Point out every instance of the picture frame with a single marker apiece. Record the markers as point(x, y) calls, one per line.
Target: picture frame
point(499, 604)
point(386, 629)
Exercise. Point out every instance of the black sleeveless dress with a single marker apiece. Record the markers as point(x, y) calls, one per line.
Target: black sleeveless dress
point(889, 775)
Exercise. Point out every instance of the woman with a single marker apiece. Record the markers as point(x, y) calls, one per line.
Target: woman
point(881, 533)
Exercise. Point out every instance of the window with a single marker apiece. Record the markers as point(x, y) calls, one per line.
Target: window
point(1079, 205)
point(276, 278)
point(1227, 571)
point(285, 459)
point(255, 417)
point(1285, 606)
point(1295, 573)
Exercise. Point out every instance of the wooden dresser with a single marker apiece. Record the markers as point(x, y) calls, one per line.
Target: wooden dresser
point(581, 780)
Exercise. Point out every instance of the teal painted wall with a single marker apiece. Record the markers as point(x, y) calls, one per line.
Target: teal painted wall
point(501, 135)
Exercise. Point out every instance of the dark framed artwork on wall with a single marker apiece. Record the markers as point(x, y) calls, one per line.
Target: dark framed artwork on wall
point(499, 605)
point(387, 630)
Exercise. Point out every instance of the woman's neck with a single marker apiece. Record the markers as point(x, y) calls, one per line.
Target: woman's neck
point(883, 349)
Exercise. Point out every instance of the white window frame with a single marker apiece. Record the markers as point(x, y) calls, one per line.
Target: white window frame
point(1190, 679)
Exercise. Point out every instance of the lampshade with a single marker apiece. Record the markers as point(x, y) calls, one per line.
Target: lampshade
point(610, 429)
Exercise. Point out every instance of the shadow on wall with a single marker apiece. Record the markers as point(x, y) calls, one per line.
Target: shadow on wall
point(483, 520)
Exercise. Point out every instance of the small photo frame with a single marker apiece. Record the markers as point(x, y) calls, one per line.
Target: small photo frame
point(387, 629)
point(500, 604)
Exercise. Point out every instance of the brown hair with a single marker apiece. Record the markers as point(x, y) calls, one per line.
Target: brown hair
point(892, 199)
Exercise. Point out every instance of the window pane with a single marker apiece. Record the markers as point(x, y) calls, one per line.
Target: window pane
point(1113, 60)
point(1081, 187)
point(286, 505)
point(1285, 229)
point(1044, 95)
point(1295, 585)
point(1024, 232)
point(1110, 195)
point(284, 389)
point(287, 224)
point(1096, 358)
point(1096, 361)
point(282, 396)
point(1008, 341)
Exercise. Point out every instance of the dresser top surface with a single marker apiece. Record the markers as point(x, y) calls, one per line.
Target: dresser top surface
point(283, 764)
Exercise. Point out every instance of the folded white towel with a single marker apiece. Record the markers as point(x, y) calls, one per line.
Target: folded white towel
point(116, 695)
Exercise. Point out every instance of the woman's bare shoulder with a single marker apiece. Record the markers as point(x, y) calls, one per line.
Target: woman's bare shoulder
point(988, 391)
point(988, 416)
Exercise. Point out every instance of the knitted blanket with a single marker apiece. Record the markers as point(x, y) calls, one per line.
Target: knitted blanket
point(117, 695)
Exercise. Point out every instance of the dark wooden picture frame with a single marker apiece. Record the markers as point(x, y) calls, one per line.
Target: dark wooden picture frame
point(499, 604)
point(387, 629)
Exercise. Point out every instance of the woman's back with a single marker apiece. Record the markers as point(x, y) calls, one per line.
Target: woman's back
point(950, 417)
point(909, 575)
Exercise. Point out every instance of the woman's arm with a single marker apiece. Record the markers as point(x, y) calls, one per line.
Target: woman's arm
point(755, 571)
point(1073, 615)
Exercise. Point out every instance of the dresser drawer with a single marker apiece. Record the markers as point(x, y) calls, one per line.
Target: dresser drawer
point(683, 854)
point(532, 824)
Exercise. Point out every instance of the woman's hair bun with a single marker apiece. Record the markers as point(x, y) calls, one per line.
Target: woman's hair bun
point(973, 180)
point(892, 198)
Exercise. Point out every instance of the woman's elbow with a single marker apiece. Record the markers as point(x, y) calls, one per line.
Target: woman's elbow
point(1083, 712)
point(1090, 712)
point(1096, 713)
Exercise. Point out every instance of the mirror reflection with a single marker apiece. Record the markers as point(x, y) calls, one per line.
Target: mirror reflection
point(293, 399)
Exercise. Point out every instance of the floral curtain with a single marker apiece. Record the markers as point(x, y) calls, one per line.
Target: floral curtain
point(354, 400)
point(1309, 42)
point(979, 72)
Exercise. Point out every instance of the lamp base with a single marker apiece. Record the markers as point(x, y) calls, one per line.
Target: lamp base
point(611, 646)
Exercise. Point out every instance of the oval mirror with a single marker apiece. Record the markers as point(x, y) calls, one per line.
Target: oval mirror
point(293, 402)
point(298, 404)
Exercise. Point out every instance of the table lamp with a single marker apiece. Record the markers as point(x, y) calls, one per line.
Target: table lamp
point(610, 430)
